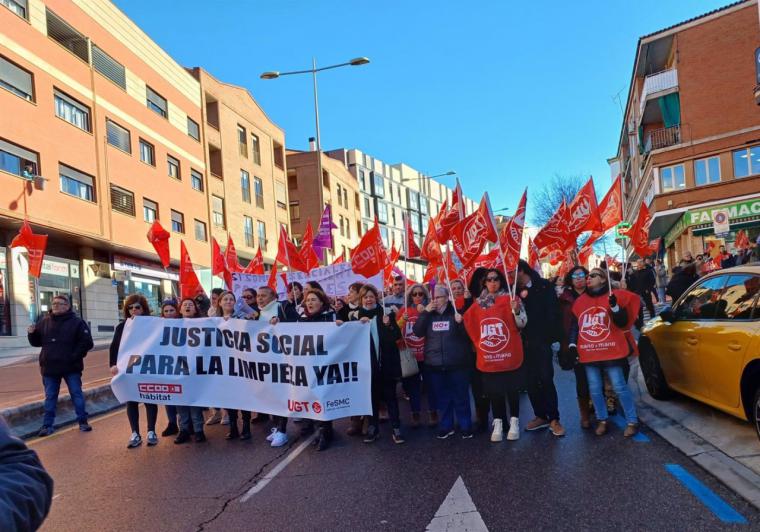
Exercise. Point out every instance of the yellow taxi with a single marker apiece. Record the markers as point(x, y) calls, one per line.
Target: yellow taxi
point(707, 346)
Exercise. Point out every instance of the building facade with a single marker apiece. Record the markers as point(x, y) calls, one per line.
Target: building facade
point(690, 141)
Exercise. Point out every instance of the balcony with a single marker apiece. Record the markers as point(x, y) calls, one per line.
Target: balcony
point(662, 138)
point(661, 82)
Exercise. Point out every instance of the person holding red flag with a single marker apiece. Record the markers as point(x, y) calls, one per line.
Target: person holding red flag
point(597, 339)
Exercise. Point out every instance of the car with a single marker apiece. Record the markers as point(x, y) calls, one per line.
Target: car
point(707, 346)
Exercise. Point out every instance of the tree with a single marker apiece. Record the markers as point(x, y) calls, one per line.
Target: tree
point(548, 198)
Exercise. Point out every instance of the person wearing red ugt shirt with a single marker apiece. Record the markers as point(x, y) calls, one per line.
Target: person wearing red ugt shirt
point(598, 339)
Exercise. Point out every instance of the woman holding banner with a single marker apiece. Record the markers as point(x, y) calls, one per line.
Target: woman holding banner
point(170, 310)
point(386, 363)
point(493, 322)
point(293, 307)
point(190, 417)
point(317, 309)
point(134, 305)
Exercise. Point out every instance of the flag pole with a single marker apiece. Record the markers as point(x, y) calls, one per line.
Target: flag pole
point(406, 254)
point(501, 256)
point(448, 281)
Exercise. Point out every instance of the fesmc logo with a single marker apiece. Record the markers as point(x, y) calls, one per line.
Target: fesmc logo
point(494, 335)
point(594, 324)
point(472, 232)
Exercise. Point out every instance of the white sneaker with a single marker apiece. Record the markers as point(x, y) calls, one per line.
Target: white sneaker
point(152, 438)
point(271, 434)
point(514, 429)
point(279, 439)
point(134, 441)
point(498, 431)
point(215, 418)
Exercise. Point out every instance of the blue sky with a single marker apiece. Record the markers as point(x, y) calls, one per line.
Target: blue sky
point(505, 93)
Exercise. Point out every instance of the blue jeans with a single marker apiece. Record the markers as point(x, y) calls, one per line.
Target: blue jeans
point(53, 386)
point(452, 391)
point(616, 375)
point(188, 415)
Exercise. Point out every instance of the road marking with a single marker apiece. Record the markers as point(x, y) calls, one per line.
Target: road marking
point(709, 498)
point(457, 512)
point(262, 482)
point(75, 426)
point(618, 420)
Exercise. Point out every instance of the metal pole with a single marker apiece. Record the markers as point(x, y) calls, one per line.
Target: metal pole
point(319, 143)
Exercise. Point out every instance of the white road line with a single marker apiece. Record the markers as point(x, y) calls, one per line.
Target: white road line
point(457, 512)
point(266, 479)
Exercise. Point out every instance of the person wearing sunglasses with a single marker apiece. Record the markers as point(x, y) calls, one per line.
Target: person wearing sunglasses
point(134, 305)
point(598, 340)
point(417, 299)
point(493, 323)
point(190, 417)
point(575, 286)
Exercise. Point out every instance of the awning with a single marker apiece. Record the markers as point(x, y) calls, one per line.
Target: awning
point(745, 213)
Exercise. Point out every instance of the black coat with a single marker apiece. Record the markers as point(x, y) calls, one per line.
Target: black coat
point(680, 281)
point(327, 315)
point(113, 350)
point(388, 363)
point(642, 281)
point(544, 316)
point(448, 347)
point(64, 339)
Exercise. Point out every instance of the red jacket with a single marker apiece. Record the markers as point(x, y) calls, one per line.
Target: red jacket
point(495, 335)
point(414, 343)
point(599, 339)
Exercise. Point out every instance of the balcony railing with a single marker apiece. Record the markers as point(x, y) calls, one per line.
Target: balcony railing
point(662, 138)
point(654, 83)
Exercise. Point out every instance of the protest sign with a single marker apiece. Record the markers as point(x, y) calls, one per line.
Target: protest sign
point(335, 280)
point(313, 370)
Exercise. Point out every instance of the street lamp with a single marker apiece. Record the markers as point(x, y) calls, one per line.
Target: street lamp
point(450, 172)
point(274, 74)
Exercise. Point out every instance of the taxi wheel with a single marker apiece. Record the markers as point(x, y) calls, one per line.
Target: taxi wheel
point(756, 411)
point(654, 378)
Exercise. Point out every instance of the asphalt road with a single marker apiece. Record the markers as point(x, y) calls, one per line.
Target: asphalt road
point(539, 482)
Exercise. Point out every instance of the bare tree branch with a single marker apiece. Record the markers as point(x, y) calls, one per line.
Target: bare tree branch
point(548, 198)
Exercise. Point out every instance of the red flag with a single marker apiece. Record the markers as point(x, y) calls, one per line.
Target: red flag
point(256, 266)
point(431, 250)
point(35, 247)
point(159, 237)
point(230, 257)
point(188, 280)
point(449, 268)
point(533, 255)
point(309, 257)
point(470, 235)
point(219, 264)
point(742, 240)
point(272, 281)
point(339, 260)
point(639, 232)
point(436, 220)
point(510, 238)
point(654, 245)
point(583, 212)
point(585, 253)
point(412, 249)
point(369, 257)
point(392, 259)
point(611, 207)
point(554, 233)
point(454, 215)
point(287, 252)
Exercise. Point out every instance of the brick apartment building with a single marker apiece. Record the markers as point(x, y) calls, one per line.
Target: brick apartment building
point(690, 141)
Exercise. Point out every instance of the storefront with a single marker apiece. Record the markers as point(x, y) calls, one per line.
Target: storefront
point(138, 276)
point(58, 277)
point(5, 303)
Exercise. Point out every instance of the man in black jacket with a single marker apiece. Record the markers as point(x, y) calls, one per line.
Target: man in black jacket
point(26, 489)
point(642, 282)
point(65, 340)
point(542, 307)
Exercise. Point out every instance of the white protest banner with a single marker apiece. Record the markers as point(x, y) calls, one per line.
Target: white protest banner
point(313, 370)
point(334, 279)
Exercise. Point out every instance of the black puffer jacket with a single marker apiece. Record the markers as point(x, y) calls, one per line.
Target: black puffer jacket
point(389, 359)
point(64, 339)
point(327, 315)
point(447, 345)
point(542, 307)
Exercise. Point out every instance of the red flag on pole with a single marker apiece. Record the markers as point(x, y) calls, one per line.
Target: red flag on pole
point(159, 237)
point(583, 212)
point(742, 240)
point(533, 256)
point(392, 259)
point(412, 249)
point(431, 250)
point(339, 260)
point(256, 266)
point(272, 281)
point(510, 238)
point(230, 256)
point(188, 280)
point(369, 257)
point(611, 207)
point(35, 247)
point(308, 255)
point(470, 235)
point(639, 232)
point(219, 264)
point(554, 233)
point(454, 215)
point(287, 252)
point(436, 220)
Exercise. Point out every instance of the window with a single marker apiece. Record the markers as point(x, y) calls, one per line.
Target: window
point(72, 111)
point(424, 223)
point(109, 67)
point(76, 183)
point(738, 297)
point(699, 303)
point(348, 228)
point(172, 167)
point(258, 188)
point(262, 229)
point(340, 195)
point(414, 199)
point(345, 197)
point(122, 200)
point(196, 180)
point(18, 161)
point(382, 212)
point(423, 205)
point(118, 136)
point(390, 189)
point(147, 152)
point(242, 142)
point(672, 178)
point(150, 210)
point(200, 231)
point(280, 195)
point(178, 222)
point(16, 79)
point(367, 210)
point(245, 186)
point(156, 102)
point(747, 162)
point(362, 180)
point(279, 160)
point(16, 6)
point(192, 129)
point(256, 149)
point(707, 171)
point(293, 182)
point(295, 211)
point(414, 219)
point(217, 207)
point(61, 32)
point(248, 230)
point(378, 185)
point(384, 234)
point(340, 225)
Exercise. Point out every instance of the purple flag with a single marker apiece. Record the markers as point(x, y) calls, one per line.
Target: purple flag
point(323, 239)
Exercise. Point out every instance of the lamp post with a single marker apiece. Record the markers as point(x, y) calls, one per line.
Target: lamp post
point(274, 74)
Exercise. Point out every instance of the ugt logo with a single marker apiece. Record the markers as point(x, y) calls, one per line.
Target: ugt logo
point(494, 335)
point(472, 234)
point(594, 325)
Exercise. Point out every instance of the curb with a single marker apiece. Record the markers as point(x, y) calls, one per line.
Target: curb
point(738, 477)
point(25, 420)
